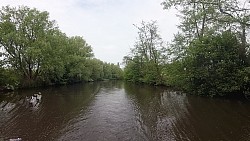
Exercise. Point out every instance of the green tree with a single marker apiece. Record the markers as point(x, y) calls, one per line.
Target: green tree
point(207, 17)
point(116, 71)
point(23, 36)
point(198, 18)
point(78, 55)
point(54, 59)
point(34, 52)
point(132, 70)
point(236, 14)
point(213, 66)
point(211, 52)
point(148, 55)
point(97, 69)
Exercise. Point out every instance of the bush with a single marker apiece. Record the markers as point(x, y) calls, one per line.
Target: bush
point(214, 67)
point(8, 77)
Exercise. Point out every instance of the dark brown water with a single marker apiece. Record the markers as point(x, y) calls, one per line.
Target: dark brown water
point(115, 111)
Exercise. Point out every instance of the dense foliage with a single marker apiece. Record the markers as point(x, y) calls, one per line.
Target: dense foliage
point(213, 66)
point(35, 52)
point(209, 56)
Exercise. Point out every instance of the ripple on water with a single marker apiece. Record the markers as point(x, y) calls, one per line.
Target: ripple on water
point(117, 111)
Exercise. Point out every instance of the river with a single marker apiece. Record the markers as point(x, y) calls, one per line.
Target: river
point(118, 111)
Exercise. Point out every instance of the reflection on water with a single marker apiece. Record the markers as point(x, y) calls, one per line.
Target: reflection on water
point(44, 122)
point(157, 111)
point(114, 110)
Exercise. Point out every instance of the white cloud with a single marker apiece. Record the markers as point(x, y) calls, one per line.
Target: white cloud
point(107, 25)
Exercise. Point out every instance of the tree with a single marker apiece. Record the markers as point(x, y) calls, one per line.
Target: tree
point(35, 52)
point(23, 36)
point(54, 59)
point(97, 69)
point(132, 70)
point(211, 51)
point(148, 55)
point(197, 17)
point(207, 17)
point(77, 59)
point(116, 72)
point(213, 66)
point(236, 14)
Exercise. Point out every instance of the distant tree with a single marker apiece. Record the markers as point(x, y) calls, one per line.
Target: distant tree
point(133, 69)
point(148, 55)
point(116, 71)
point(97, 69)
point(78, 55)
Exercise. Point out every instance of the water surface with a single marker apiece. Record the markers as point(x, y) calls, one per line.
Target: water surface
point(117, 111)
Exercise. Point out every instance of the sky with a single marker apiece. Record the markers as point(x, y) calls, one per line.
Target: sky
point(107, 25)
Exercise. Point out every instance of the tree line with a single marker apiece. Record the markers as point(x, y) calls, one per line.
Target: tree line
point(34, 52)
point(209, 55)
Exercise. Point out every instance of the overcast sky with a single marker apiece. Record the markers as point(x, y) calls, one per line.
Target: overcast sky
point(107, 25)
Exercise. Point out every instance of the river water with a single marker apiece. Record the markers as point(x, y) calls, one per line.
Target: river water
point(118, 111)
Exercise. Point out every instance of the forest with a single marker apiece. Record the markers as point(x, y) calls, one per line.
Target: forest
point(35, 52)
point(209, 55)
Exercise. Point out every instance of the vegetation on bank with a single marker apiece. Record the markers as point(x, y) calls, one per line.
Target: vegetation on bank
point(209, 55)
point(34, 52)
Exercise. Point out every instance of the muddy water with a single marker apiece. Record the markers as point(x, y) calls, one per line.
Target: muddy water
point(117, 111)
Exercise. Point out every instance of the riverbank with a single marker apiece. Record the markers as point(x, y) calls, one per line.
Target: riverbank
point(9, 88)
point(6, 89)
